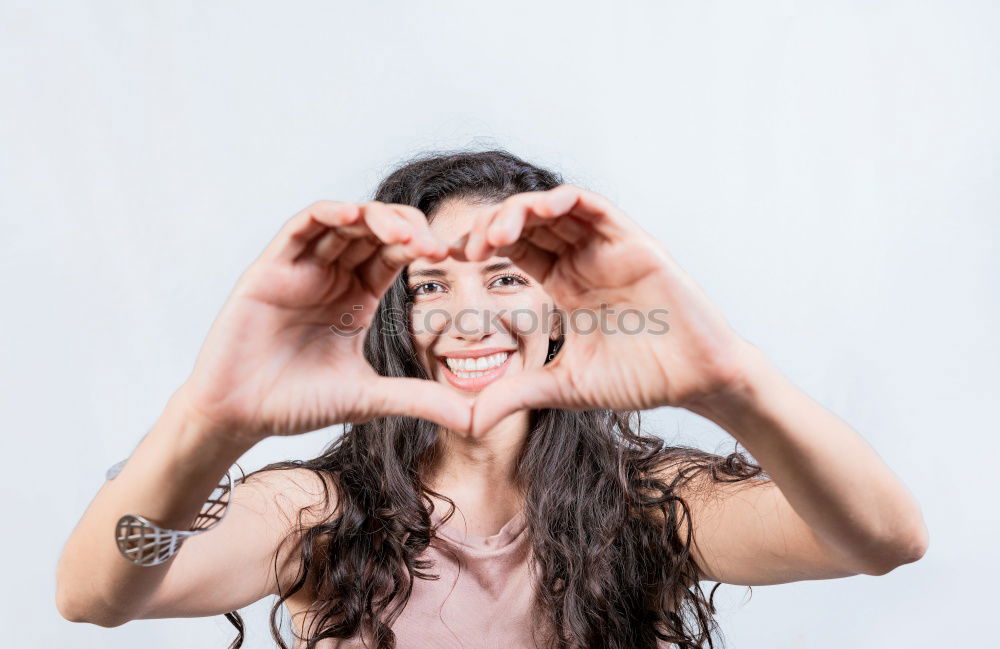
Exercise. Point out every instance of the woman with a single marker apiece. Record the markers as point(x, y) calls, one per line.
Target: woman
point(493, 488)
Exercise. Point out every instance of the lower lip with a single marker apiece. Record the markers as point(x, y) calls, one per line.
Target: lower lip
point(478, 382)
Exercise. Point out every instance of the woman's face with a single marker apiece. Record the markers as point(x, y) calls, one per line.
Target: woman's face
point(475, 321)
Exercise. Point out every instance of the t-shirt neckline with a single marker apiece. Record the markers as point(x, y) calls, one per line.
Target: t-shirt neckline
point(453, 530)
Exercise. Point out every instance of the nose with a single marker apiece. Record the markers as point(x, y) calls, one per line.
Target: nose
point(473, 315)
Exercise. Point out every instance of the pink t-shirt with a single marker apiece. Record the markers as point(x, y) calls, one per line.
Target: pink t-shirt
point(482, 599)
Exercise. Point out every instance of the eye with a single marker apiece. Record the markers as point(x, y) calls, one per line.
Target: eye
point(417, 290)
point(517, 280)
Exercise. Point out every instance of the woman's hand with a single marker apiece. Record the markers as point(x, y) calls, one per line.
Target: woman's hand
point(284, 356)
point(639, 332)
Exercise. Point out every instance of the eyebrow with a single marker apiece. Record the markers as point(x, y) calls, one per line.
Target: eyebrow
point(437, 272)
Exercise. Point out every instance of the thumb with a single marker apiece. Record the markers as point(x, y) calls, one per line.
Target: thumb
point(533, 389)
point(421, 398)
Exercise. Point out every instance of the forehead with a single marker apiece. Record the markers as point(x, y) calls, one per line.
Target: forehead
point(455, 217)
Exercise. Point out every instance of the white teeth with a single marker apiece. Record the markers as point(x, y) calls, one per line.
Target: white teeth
point(473, 367)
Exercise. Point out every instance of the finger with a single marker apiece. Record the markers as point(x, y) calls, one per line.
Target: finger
point(378, 226)
point(533, 389)
point(422, 398)
point(386, 223)
point(380, 269)
point(359, 250)
point(570, 229)
point(602, 215)
point(373, 222)
point(567, 213)
point(300, 231)
point(456, 250)
point(515, 216)
point(546, 239)
point(516, 219)
point(476, 246)
point(329, 246)
point(515, 223)
point(529, 257)
point(427, 243)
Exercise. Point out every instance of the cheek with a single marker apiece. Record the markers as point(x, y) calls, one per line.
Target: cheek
point(422, 343)
point(531, 319)
point(525, 323)
point(426, 324)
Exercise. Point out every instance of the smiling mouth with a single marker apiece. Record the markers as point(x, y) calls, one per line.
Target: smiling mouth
point(475, 373)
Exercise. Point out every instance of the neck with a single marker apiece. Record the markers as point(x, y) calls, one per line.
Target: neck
point(479, 473)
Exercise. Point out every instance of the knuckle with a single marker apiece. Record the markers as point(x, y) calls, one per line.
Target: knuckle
point(328, 212)
point(323, 205)
point(411, 212)
point(513, 201)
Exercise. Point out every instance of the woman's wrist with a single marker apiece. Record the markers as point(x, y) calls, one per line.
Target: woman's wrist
point(195, 427)
point(750, 377)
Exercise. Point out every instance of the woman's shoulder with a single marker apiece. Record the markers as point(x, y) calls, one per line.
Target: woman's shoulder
point(301, 498)
point(301, 495)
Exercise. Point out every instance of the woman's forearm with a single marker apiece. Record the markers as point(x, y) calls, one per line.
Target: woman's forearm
point(828, 473)
point(167, 479)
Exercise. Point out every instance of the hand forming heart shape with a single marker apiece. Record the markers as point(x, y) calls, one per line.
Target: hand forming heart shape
point(270, 365)
point(273, 362)
point(667, 343)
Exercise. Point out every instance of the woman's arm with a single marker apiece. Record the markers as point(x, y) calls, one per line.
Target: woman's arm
point(270, 365)
point(833, 507)
point(253, 552)
point(167, 479)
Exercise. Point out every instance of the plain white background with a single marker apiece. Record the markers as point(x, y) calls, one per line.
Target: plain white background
point(827, 172)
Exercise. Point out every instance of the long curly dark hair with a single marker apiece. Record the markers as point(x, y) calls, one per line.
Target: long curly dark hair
point(603, 514)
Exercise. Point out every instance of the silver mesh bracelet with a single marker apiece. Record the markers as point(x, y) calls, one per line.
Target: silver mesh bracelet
point(145, 543)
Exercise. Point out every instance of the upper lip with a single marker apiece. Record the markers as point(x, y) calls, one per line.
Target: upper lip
point(475, 353)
